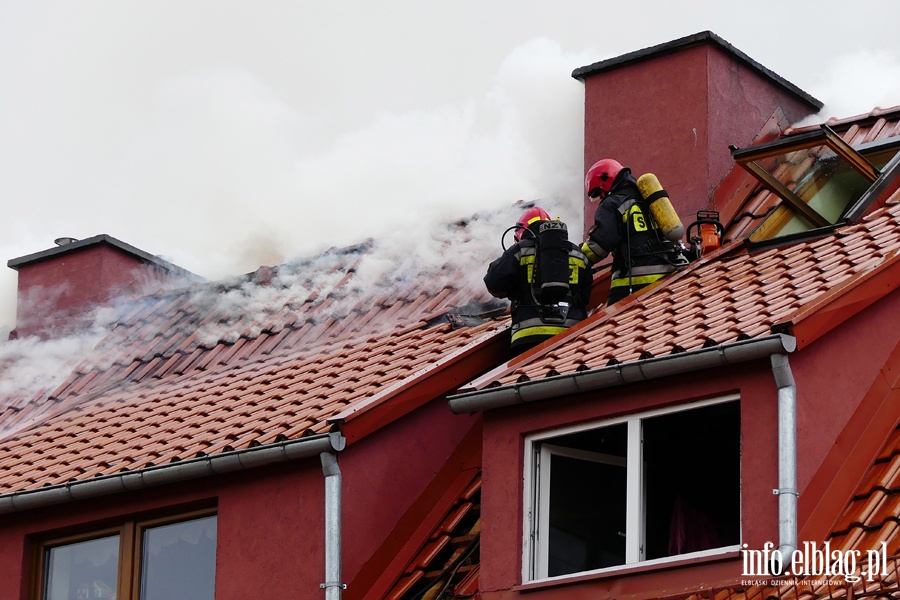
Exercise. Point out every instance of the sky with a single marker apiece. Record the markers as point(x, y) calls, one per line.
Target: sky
point(224, 135)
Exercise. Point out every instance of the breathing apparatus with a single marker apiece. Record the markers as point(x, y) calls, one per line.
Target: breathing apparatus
point(666, 225)
point(660, 207)
point(549, 273)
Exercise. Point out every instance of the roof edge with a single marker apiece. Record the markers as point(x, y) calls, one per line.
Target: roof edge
point(846, 300)
point(621, 374)
point(16, 263)
point(185, 470)
point(428, 384)
point(703, 37)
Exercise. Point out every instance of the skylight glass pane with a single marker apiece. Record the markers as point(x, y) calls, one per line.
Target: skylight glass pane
point(819, 177)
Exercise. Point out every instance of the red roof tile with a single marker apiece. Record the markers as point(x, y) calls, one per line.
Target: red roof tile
point(449, 560)
point(272, 356)
point(723, 297)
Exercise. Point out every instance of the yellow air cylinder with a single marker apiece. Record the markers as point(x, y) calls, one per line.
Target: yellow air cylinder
point(660, 206)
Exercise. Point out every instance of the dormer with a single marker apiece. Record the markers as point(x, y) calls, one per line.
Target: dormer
point(674, 441)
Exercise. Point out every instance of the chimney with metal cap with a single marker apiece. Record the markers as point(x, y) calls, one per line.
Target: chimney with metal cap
point(60, 287)
point(673, 110)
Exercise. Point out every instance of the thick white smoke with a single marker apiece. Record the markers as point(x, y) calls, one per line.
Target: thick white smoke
point(855, 83)
point(222, 178)
point(223, 168)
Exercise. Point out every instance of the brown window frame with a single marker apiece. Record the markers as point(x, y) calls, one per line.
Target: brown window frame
point(746, 158)
point(130, 532)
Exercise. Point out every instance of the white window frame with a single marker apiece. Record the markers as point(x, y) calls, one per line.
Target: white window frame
point(535, 548)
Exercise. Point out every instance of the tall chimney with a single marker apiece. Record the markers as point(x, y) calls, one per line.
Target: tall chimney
point(60, 287)
point(674, 109)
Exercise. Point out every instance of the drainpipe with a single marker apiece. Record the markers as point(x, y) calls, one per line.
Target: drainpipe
point(787, 459)
point(333, 585)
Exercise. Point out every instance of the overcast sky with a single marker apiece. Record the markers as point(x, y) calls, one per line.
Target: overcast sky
point(223, 135)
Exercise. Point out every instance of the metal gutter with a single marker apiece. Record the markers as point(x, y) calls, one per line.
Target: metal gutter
point(621, 374)
point(185, 470)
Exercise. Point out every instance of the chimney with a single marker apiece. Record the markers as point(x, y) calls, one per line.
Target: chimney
point(59, 288)
point(674, 109)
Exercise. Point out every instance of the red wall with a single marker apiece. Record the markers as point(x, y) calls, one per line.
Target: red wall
point(387, 471)
point(271, 520)
point(834, 373)
point(675, 115)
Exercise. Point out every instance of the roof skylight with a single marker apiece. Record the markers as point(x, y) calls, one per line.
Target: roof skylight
point(821, 179)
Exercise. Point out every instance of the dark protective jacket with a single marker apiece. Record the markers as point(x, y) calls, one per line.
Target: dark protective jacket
point(511, 276)
point(624, 227)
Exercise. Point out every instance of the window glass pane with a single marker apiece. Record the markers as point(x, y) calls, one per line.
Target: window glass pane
point(587, 501)
point(692, 480)
point(820, 178)
point(82, 571)
point(179, 561)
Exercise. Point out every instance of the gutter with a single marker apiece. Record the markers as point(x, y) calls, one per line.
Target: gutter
point(185, 470)
point(621, 374)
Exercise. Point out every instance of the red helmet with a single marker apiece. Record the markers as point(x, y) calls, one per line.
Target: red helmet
point(601, 176)
point(532, 215)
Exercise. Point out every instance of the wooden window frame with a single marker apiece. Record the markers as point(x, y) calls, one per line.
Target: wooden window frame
point(825, 136)
point(130, 532)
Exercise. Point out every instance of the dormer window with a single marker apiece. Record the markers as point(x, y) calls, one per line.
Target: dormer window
point(642, 489)
point(821, 179)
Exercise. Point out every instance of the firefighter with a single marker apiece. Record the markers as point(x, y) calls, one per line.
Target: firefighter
point(545, 276)
point(624, 227)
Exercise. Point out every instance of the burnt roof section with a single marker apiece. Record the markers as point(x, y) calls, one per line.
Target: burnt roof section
point(16, 263)
point(704, 37)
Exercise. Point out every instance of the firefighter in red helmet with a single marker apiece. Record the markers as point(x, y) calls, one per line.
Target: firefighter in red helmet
point(545, 276)
point(624, 227)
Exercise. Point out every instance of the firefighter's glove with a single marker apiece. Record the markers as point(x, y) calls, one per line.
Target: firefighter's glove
point(593, 251)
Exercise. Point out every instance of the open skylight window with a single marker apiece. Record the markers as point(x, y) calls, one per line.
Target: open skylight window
point(822, 180)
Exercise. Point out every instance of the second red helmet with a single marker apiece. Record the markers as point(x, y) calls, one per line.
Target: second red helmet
point(532, 215)
point(601, 176)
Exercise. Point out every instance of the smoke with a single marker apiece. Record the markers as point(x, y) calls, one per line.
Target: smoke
point(855, 83)
point(227, 171)
point(31, 368)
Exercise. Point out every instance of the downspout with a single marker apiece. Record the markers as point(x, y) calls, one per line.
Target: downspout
point(333, 585)
point(787, 459)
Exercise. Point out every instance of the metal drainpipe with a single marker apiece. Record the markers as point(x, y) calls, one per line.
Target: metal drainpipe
point(787, 458)
point(333, 586)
